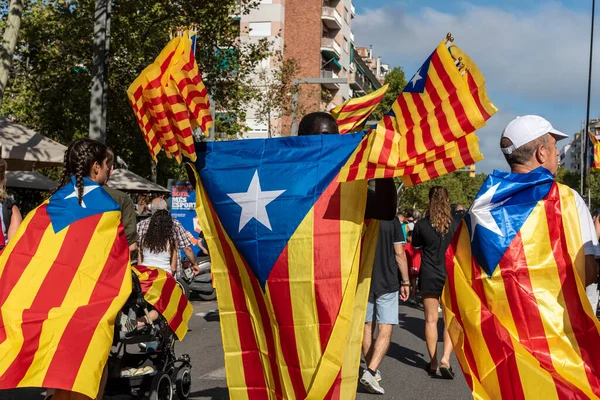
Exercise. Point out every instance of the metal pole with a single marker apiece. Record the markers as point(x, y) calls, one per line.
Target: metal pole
point(99, 95)
point(587, 117)
point(581, 156)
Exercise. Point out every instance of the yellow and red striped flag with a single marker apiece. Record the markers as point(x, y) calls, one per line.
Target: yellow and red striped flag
point(162, 292)
point(514, 302)
point(292, 278)
point(64, 277)
point(443, 102)
point(352, 114)
point(169, 99)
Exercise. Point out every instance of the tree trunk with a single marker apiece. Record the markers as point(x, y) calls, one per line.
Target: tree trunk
point(153, 171)
point(9, 42)
point(99, 94)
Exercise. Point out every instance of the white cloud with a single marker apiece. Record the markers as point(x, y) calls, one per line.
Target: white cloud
point(534, 61)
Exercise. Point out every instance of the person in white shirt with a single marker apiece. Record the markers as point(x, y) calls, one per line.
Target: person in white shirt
point(157, 246)
point(529, 142)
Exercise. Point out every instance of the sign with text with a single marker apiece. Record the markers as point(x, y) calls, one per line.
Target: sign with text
point(183, 209)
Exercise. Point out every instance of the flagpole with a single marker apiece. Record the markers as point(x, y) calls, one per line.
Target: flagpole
point(589, 92)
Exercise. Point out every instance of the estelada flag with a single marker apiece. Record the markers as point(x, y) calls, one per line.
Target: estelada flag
point(515, 304)
point(443, 102)
point(162, 292)
point(285, 242)
point(353, 113)
point(63, 278)
point(595, 156)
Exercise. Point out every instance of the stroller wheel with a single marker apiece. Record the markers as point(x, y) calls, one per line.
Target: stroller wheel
point(183, 383)
point(184, 287)
point(161, 387)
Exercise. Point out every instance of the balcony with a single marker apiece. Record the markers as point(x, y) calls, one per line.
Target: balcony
point(331, 47)
point(358, 83)
point(352, 36)
point(352, 10)
point(330, 74)
point(331, 18)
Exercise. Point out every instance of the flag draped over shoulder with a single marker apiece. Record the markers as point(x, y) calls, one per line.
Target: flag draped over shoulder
point(63, 278)
point(515, 305)
point(352, 114)
point(162, 292)
point(169, 99)
point(429, 131)
point(286, 249)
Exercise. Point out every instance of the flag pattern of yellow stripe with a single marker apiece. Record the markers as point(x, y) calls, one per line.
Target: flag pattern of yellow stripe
point(444, 103)
point(169, 99)
point(527, 331)
point(60, 292)
point(353, 113)
point(162, 292)
point(595, 162)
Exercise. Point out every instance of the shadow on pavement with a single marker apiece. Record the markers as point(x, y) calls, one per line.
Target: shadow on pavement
point(416, 326)
point(217, 393)
point(407, 356)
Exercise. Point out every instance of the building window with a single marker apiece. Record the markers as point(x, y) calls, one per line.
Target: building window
point(260, 29)
point(346, 48)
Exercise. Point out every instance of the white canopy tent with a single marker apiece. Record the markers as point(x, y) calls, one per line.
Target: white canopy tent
point(29, 180)
point(24, 149)
point(127, 181)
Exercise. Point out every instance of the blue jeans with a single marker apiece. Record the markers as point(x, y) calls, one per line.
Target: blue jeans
point(385, 306)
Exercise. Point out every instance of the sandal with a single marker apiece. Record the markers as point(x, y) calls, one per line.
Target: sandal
point(447, 372)
point(430, 372)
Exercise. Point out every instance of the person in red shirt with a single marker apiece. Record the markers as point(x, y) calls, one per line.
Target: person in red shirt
point(413, 257)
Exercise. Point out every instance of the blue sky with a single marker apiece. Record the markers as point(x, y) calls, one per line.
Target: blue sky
point(534, 54)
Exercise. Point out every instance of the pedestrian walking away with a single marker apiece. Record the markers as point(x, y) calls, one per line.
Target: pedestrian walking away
point(382, 309)
point(433, 235)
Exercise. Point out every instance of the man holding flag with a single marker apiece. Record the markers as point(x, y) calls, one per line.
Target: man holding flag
point(514, 300)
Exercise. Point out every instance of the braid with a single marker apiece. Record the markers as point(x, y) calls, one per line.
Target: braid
point(79, 159)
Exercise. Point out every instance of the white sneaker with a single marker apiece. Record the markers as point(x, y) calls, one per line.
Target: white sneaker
point(378, 377)
point(370, 383)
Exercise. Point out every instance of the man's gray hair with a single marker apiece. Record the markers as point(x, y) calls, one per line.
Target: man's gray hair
point(158, 203)
point(523, 154)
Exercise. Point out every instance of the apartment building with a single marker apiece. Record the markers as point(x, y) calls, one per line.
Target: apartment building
point(569, 156)
point(318, 35)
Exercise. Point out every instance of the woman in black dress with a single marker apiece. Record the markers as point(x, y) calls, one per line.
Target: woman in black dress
point(433, 235)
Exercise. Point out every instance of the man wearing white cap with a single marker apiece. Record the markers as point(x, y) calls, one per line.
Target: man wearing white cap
point(528, 143)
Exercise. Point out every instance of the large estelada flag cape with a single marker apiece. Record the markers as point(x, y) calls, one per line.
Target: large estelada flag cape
point(63, 278)
point(285, 242)
point(162, 292)
point(515, 305)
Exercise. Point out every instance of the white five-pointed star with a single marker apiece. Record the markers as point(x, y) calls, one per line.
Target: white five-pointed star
point(416, 78)
point(254, 203)
point(86, 190)
point(481, 212)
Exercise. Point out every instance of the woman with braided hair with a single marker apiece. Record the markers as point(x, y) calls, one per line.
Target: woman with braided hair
point(85, 158)
point(433, 234)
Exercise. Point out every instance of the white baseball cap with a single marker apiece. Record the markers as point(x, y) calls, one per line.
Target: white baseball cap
point(523, 130)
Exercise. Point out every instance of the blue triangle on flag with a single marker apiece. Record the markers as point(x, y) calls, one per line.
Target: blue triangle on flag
point(64, 208)
point(262, 189)
point(499, 211)
point(417, 82)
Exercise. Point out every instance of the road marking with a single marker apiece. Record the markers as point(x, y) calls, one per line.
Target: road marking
point(216, 375)
point(204, 314)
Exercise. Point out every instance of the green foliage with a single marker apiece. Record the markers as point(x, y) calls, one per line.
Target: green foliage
point(462, 189)
point(566, 177)
point(49, 89)
point(397, 81)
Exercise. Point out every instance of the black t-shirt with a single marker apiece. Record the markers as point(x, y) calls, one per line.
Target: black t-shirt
point(385, 269)
point(433, 246)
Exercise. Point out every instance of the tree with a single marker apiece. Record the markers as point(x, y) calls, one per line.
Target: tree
point(50, 90)
point(462, 189)
point(275, 91)
point(397, 81)
point(9, 42)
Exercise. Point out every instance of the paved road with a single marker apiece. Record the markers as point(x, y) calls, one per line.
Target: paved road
point(402, 369)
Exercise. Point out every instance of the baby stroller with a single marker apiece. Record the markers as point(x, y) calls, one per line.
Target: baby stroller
point(149, 350)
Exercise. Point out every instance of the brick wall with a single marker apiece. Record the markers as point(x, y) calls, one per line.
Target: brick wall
point(303, 30)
